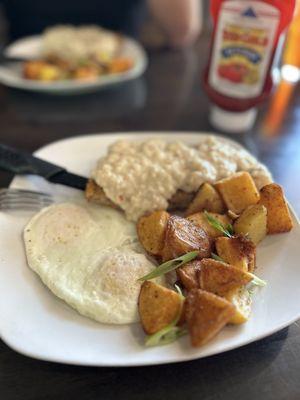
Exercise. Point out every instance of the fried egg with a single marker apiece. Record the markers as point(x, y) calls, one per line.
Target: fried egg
point(90, 257)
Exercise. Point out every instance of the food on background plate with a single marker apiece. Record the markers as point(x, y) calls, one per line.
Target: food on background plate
point(79, 53)
point(171, 241)
point(141, 177)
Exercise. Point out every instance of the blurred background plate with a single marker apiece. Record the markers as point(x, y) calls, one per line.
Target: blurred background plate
point(29, 48)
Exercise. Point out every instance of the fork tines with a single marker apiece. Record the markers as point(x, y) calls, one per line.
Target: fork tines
point(18, 199)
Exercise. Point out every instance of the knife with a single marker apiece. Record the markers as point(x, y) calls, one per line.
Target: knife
point(19, 162)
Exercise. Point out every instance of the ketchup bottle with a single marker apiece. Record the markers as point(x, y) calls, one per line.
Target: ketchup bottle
point(238, 76)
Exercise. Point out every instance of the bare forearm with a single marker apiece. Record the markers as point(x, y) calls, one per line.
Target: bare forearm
point(180, 19)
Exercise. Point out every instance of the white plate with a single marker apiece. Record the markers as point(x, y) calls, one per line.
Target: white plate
point(34, 322)
point(11, 74)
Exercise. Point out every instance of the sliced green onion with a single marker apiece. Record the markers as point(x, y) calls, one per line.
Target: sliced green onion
point(216, 257)
point(170, 265)
point(257, 281)
point(251, 290)
point(230, 229)
point(227, 231)
point(167, 335)
point(179, 291)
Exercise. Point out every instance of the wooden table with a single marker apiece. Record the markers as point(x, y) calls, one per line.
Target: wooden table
point(168, 97)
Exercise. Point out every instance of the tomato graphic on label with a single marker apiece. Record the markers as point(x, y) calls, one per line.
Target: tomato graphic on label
point(233, 72)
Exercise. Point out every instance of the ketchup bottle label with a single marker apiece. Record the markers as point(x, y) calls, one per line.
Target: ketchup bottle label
point(243, 47)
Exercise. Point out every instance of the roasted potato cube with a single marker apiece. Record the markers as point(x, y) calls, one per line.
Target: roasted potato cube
point(180, 200)
point(253, 223)
point(218, 277)
point(119, 65)
point(238, 191)
point(182, 236)
point(201, 220)
point(207, 198)
point(278, 218)
point(50, 73)
point(241, 299)
point(188, 274)
point(151, 231)
point(158, 306)
point(41, 70)
point(206, 314)
point(87, 73)
point(32, 69)
point(237, 251)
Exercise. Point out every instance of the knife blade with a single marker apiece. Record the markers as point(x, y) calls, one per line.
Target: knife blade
point(19, 162)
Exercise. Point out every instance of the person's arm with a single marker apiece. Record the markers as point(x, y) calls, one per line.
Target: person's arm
point(180, 19)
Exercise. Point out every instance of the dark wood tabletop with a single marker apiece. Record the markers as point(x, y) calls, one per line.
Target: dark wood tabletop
point(168, 97)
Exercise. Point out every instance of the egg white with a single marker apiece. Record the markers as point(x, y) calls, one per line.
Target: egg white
point(90, 257)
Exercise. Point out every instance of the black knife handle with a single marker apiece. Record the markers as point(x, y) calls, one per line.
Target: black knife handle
point(19, 162)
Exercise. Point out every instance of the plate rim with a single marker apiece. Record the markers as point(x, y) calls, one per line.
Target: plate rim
point(188, 357)
point(140, 133)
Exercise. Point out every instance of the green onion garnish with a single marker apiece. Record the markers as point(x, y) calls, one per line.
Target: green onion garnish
point(179, 291)
point(257, 281)
point(216, 257)
point(227, 231)
point(167, 335)
point(170, 265)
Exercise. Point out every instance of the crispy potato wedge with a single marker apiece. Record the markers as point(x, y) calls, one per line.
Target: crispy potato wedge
point(183, 236)
point(151, 231)
point(238, 191)
point(253, 223)
point(219, 278)
point(237, 251)
point(200, 219)
point(180, 200)
point(207, 198)
point(241, 299)
point(188, 274)
point(279, 218)
point(158, 306)
point(206, 314)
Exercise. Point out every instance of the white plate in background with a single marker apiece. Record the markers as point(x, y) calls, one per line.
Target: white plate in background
point(36, 323)
point(29, 47)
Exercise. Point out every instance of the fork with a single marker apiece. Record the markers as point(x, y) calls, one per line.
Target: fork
point(18, 199)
